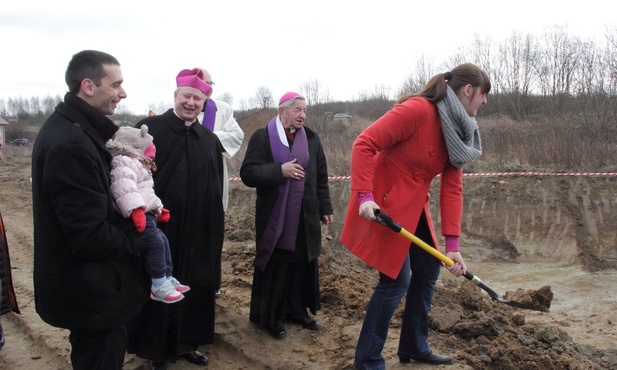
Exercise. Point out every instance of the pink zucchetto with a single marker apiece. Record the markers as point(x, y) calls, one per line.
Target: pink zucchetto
point(193, 78)
point(288, 96)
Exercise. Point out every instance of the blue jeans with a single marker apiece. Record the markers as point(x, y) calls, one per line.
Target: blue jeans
point(157, 253)
point(417, 277)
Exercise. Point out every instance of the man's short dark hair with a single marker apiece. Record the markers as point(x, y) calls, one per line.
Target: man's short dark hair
point(87, 64)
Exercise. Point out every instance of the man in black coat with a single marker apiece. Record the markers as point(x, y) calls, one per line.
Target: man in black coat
point(286, 163)
point(189, 181)
point(86, 273)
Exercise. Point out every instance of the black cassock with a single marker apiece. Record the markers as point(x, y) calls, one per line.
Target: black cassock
point(285, 269)
point(189, 181)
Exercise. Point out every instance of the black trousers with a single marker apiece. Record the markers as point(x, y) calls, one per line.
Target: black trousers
point(98, 349)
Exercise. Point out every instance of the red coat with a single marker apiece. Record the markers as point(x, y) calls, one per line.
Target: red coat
point(396, 158)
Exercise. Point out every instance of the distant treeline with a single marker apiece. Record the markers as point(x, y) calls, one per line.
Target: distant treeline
point(553, 104)
point(566, 134)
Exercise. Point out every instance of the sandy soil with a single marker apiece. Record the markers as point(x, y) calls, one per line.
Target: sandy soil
point(578, 332)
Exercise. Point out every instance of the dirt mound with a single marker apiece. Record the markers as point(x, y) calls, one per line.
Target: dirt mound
point(539, 300)
point(490, 335)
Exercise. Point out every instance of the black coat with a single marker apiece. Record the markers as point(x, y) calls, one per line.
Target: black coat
point(259, 171)
point(86, 270)
point(8, 300)
point(189, 181)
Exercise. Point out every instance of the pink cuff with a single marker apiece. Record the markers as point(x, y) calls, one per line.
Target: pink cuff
point(452, 244)
point(365, 197)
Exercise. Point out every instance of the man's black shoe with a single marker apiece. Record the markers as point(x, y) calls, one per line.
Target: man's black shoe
point(429, 358)
point(306, 322)
point(195, 357)
point(158, 365)
point(278, 330)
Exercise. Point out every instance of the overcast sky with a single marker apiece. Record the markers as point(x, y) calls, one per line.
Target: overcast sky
point(348, 46)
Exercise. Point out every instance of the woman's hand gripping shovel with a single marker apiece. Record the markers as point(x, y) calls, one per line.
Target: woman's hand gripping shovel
point(385, 220)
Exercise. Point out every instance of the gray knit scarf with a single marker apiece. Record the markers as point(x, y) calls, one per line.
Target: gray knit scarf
point(459, 130)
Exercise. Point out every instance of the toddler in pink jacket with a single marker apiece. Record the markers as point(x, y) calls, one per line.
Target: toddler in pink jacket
point(132, 188)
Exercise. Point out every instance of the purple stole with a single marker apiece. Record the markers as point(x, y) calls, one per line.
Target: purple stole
point(282, 227)
point(209, 115)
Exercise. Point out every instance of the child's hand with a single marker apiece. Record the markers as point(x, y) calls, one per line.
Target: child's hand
point(139, 219)
point(164, 216)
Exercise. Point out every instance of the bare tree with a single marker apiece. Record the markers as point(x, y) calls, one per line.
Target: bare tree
point(315, 93)
point(227, 98)
point(459, 56)
point(243, 109)
point(482, 52)
point(518, 55)
point(595, 101)
point(244, 105)
point(16, 106)
point(558, 64)
point(35, 105)
point(375, 102)
point(418, 78)
point(482, 56)
point(610, 59)
point(379, 92)
point(593, 76)
point(50, 103)
point(316, 97)
point(263, 97)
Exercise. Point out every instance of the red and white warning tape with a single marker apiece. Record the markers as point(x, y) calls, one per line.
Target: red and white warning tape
point(497, 174)
point(532, 173)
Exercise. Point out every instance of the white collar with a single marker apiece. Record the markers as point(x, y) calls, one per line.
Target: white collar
point(281, 131)
point(186, 123)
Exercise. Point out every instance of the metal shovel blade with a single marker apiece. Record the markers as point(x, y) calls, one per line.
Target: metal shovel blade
point(496, 296)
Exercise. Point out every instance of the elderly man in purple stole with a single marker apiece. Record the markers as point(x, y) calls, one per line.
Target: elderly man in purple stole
point(286, 163)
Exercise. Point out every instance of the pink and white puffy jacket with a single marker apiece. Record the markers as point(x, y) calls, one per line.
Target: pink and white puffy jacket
point(132, 185)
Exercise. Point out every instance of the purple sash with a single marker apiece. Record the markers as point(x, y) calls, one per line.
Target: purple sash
point(282, 225)
point(209, 115)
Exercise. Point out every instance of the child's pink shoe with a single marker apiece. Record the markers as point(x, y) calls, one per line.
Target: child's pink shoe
point(166, 293)
point(179, 287)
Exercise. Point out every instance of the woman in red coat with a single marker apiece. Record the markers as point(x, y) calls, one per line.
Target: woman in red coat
point(393, 162)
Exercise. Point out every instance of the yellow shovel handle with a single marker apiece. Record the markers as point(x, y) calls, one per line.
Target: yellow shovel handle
point(420, 243)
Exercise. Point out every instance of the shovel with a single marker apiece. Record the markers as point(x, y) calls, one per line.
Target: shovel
point(385, 220)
